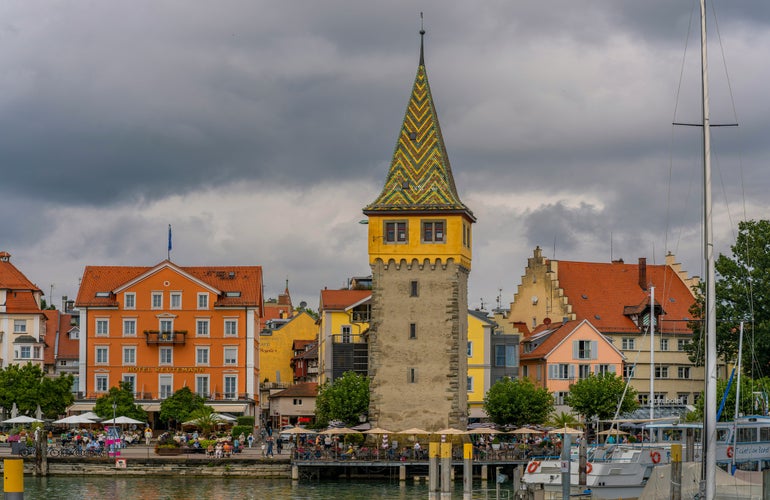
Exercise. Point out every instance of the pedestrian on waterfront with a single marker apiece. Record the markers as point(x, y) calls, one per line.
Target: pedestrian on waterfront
point(269, 446)
point(250, 439)
point(279, 445)
point(147, 436)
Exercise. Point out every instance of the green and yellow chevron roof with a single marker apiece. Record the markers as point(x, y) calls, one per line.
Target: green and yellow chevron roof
point(420, 177)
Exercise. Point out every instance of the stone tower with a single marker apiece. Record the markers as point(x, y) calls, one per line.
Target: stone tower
point(420, 256)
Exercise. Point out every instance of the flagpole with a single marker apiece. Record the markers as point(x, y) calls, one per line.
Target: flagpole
point(168, 256)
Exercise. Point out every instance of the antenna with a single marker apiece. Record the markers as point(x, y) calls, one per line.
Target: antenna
point(554, 247)
point(611, 246)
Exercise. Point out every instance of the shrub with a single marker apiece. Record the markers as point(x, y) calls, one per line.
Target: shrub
point(238, 429)
point(246, 421)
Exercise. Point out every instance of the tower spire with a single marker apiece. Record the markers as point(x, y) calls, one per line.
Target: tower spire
point(422, 36)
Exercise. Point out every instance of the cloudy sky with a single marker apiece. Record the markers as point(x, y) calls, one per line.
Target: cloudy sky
point(259, 130)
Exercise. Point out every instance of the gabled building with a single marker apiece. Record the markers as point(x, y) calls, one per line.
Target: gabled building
point(616, 298)
point(557, 355)
point(480, 331)
point(276, 345)
point(343, 324)
point(293, 405)
point(62, 345)
point(305, 361)
point(165, 327)
point(420, 256)
point(22, 321)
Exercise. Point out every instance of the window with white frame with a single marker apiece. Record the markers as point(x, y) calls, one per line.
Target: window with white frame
point(101, 383)
point(157, 300)
point(664, 344)
point(231, 328)
point(297, 402)
point(201, 356)
point(584, 349)
point(661, 371)
point(130, 379)
point(165, 386)
point(346, 331)
point(202, 328)
point(20, 326)
point(470, 348)
point(165, 356)
point(584, 371)
point(102, 355)
point(202, 386)
point(102, 327)
point(681, 344)
point(203, 300)
point(603, 369)
point(166, 327)
point(470, 384)
point(24, 352)
point(628, 344)
point(129, 300)
point(176, 300)
point(36, 352)
point(559, 397)
point(231, 356)
point(628, 371)
point(129, 327)
point(561, 371)
point(129, 356)
point(684, 372)
point(231, 386)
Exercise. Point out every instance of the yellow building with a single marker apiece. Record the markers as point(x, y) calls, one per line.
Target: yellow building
point(343, 323)
point(276, 342)
point(480, 329)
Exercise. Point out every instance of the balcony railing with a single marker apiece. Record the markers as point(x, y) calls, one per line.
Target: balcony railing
point(159, 337)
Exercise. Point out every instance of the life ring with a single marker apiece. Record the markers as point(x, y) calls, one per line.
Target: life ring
point(729, 452)
point(655, 456)
point(589, 467)
point(532, 467)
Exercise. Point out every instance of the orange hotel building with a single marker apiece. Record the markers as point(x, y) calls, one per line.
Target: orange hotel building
point(165, 327)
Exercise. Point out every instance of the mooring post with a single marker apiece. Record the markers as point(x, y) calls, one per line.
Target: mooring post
point(446, 467)
point(433, 453)
point(467, 468)
point(676, 472)
point(13, 478)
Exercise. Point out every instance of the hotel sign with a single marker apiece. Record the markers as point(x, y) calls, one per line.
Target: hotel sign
point(164, 369)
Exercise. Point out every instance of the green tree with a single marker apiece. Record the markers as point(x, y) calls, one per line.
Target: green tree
point(123, 398)
point(598, 396)
point(517, 402)
point(564, 419)
point(27, 386)
point(179, 406)
point(205, 418)
point(742, 294)
point(343, 399)
point(750, 404)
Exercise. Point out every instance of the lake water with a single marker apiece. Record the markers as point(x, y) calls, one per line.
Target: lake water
point(188, 488)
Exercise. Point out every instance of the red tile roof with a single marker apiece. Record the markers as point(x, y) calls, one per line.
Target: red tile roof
point(21, 302)
point(57, 339)
point(11, 278)
point(337, 300)
point(600, 292)
point(558, 332)
point(244, 279)
point(305, 389)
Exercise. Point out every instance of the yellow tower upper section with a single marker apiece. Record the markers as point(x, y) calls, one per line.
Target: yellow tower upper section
point(418, 214)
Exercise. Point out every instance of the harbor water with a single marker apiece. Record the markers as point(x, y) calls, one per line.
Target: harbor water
point(190, 488)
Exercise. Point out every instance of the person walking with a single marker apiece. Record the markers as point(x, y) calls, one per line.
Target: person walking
point(250, 439)
point(147, 436)
point(279, 445)
point(269, 446)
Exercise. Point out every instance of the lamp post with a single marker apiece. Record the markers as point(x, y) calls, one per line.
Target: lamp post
point(114, 417)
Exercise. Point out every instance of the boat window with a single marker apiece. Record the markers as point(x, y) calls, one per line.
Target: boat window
point(747, 435)
point(764, 433)
point(723, 435)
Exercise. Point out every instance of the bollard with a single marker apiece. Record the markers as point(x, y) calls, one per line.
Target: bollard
point(676, 472)
point(446, 467)
point(433, 453)
point(13, 479)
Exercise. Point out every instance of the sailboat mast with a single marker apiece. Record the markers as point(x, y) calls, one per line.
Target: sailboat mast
point(652, 353)
point(709, 406)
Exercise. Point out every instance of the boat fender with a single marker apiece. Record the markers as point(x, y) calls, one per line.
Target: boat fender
point(655, 456)
point(589, 467)
point(532, 467)
point(729, 452)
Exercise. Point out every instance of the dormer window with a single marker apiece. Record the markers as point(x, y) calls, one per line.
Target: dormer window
point(413, 136)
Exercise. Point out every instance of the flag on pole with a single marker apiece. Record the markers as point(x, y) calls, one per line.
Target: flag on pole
point(169, 242)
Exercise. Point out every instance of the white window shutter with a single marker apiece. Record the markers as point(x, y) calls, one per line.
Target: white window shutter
point(594, 349)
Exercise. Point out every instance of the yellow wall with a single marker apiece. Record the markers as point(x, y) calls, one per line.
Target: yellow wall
point(478, 366)
point(275, 350)
point(452, 247)
point(331, 323)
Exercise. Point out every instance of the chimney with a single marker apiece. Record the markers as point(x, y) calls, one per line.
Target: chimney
point(643, 273)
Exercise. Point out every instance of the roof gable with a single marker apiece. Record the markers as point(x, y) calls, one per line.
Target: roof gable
point(553, 337)
point(11, 278)
point(160, 267)
point(306, 389)
point(340, 300)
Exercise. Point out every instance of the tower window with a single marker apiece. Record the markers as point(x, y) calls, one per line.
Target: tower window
point(433, 231)
point(412, 330)
point(413, 136)
point(411, 375)
point(396, 232)
point(413, 289)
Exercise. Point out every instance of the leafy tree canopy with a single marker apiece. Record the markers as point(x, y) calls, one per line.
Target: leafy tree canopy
point(27, 386)
point(518, 402)
point(123, 397)
point(742, 294)
point(205, 418)
point(751, 402)
point(598, 395)
point(343, 399)
point(181, 405)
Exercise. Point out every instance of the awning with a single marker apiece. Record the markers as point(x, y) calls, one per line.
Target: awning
point(228, 408)
point(151, 406)
point(83, 406)
point(477, 413)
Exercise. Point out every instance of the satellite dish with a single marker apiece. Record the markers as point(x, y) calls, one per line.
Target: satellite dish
point(303, 304)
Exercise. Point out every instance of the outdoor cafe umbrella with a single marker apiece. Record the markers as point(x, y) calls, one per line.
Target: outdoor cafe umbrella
point(565, 430)
point(122, 420)
point(339, 431)
point(74, 419)
point(483, 430)
point(526, 430)
point(378, 430)
point(93, 416)
point(21, 419)
point(298, 430)
point(616, 432)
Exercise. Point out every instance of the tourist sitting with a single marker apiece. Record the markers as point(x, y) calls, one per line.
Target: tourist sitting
point(349, 454)
point(218, 450)
point(227, 449)
point(210, 450)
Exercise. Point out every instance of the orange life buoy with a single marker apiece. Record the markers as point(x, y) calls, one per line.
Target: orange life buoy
point(729, 452)
point(655, 456)
point(589, 467)
point(532, 467)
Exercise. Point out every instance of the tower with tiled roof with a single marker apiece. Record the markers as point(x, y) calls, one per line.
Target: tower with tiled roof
point(420, 256)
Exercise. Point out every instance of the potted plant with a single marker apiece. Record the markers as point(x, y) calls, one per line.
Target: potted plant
point(167, 445)
point(496, 443)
